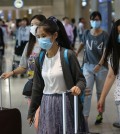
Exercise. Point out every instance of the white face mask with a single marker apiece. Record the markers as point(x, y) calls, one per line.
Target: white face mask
point(33, 29)
point(95, 24)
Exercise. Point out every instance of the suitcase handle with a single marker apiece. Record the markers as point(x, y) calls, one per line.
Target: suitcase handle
point(1, 107)
point(75, 112)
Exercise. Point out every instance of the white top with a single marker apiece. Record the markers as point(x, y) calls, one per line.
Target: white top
point(117, 89)
point(53, 75)
point(23, 34)
point(80, 28)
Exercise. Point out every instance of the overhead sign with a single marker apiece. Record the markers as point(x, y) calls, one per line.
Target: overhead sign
point(18, 3)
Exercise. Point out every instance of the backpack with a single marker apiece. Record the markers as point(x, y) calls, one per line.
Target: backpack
point(41, 59)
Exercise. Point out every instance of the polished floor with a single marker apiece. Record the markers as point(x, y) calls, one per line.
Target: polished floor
point(20, 102)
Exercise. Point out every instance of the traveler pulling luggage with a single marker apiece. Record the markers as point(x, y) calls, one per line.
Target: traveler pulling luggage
point(10, 119)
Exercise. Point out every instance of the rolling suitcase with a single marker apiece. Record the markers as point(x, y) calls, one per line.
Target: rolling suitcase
point(75, 115)
point(75, 111)
point(10, 119)
point(76, 125)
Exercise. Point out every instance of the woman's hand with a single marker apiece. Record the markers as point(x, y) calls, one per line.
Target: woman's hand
point(6, 75)
point(96, 68)
point(100, 105)
point(77, 54)
point(75, 90)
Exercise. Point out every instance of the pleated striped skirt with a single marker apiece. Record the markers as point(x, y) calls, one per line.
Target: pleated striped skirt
point(51, 116)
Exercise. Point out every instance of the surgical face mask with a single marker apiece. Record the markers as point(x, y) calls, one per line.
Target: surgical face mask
point(95, 24)
point(119, 38)
point(33, 30)
point(45, 43)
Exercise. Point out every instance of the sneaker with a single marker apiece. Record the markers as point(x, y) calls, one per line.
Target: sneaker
point(98, 119)
point(22, 75)
point(116, 124)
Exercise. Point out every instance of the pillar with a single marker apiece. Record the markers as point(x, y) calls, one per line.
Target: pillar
point(117, 9)
point(78, 11)
point(106, 12)
point(93, 5)
point(17, 11)
point(58, 9)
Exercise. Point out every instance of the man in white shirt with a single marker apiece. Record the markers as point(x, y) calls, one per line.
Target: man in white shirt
point(81, 28)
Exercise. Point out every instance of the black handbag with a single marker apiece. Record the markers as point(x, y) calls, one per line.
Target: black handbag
point(27, 90)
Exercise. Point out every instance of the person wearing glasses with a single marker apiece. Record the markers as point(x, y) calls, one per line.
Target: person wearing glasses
point(94, 69)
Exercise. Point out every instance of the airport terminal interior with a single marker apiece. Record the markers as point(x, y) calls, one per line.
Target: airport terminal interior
point(12, 10)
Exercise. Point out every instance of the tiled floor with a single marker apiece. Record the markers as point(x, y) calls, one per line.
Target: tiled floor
point(20, 102)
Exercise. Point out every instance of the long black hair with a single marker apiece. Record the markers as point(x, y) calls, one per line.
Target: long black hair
point(32, 38)
point(52, 25)
point(113, 48)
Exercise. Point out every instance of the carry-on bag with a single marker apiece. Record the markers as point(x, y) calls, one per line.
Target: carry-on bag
point(10, 119)
point(76, 116)
point(75, 113)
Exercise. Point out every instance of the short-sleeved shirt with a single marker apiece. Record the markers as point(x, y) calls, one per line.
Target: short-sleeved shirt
point(94, 46)
point(80, 28)
point(29, 62)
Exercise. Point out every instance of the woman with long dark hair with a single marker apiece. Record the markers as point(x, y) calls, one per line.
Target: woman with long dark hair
point(53, 78)
point(29, 55)
point(113, 57)
point(31, 50)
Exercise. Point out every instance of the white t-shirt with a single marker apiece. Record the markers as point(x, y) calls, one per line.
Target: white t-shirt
point(81, 28)
point(53, 75)
point(117, 89)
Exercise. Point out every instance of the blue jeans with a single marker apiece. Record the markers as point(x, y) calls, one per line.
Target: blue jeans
point(80, 37)
point(91, 78)
point(118, 110)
